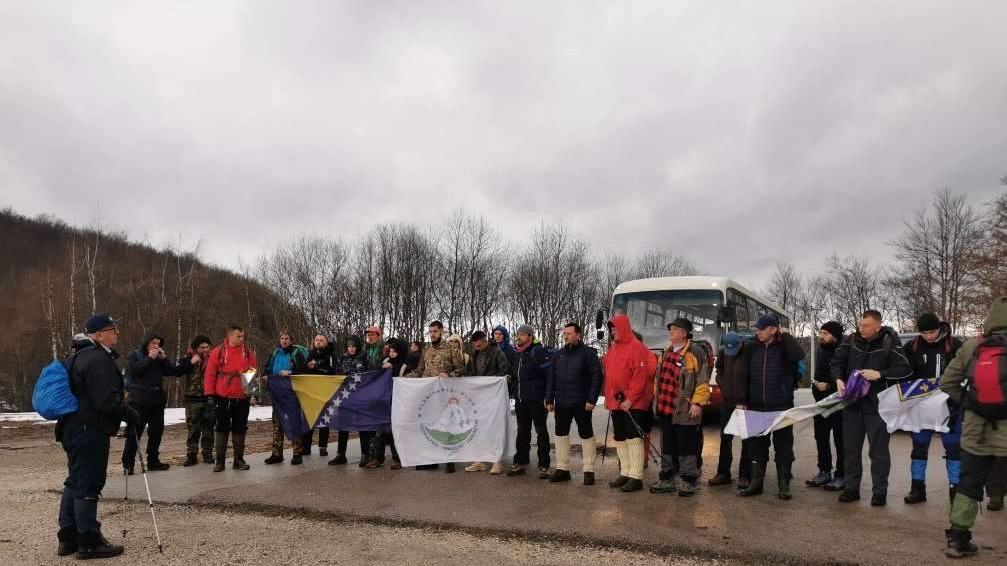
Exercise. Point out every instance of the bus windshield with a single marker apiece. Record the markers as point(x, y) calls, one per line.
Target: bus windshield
point(651, 311)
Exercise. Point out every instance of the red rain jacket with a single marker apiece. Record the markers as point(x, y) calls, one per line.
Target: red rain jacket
point(224, 368)
point(629, 367)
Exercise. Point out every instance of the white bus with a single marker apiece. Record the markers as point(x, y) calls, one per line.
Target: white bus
point(715, 305)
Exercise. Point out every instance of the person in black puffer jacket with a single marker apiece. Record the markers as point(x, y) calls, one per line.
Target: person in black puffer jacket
point(732, 379)
point(353, 360)
point(829, 337)
point(322, 360)
point(146, 368)
point(530, 368)
point(876, 351)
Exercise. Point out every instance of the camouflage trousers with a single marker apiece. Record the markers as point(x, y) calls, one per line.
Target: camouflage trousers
point(199, 422)
point(278, 437)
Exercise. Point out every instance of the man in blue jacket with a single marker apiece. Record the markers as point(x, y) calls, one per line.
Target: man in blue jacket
point(531, 369)
point(572, 390)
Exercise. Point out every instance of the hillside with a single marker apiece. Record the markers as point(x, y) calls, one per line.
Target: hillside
point(52, 276)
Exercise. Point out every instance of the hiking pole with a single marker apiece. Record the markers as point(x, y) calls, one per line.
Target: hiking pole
point(652, 451)
point(125, 503)
point(604, 446)
point(150, 500)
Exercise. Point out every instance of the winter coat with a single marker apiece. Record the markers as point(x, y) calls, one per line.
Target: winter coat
point(823, 371)
point(438, 358)
point(490, 361)
point(224, 369)
point(980, 437)
point(772, 373)
point(399, 364)
point(683, 381)
point(882, 353)
point(375, 354)
point(326, 361)
point(97, 384)
point(928, 360)
point(506, 347)
point(629, 368)
point(574, 377)
point(732, 376)
point(145, 375)
point(192, 385)
point(531, 371)
point(293, 358)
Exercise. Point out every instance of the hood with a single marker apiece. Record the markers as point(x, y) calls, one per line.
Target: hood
point(620, 322)
point(150, 335)
point(400, 347)
point(996, 320)
point(81, 341)
point(506, 334)
point(355, 340)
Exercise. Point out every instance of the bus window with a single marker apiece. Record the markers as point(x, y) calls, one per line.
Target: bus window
point(753, 311)
point(737, 300)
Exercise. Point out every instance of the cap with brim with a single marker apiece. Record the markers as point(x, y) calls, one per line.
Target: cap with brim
point(767, 320)
point(683, 323)
point(99, 322)
point(732, 343)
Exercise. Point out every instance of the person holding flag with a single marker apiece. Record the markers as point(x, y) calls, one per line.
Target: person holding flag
point(929, 354)
point(285, 360)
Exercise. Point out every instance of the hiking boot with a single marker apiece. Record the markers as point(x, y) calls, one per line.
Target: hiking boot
point(996, 502)
point(157, 466)
point(476, 467)
point(517, 470)
point(218, 464)
point(374, 464)
point(632, 484)
point(720, 479)
point(687, 489)
point(67, 537)
point(959, 544)
point(543, 472)
point(93, 545)
point(783, 482)
point(497, 469)
point(849, 496)
point(323, 451)
point(220, 446)
point(618, 482)
point(664, 486)
point(239, 464)
point(589, 479)
point(820, 480)
point(449, 468)
point(190, 460)
point(756, 484)
point(559, 476)
point(239, 452)
point(917, 493)
point(339, 460)
point(879, 500)
point(207, 458)
point(837, 484)
point(362, 463)
point(297, 460)
point(275, 459)
point(743, 483)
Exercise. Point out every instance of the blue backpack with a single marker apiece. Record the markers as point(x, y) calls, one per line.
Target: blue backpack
point(53, 396)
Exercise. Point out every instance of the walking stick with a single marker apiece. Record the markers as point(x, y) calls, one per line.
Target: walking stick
point(604, 446)
point(652, 452)
point(125, 503)
point(150, 500)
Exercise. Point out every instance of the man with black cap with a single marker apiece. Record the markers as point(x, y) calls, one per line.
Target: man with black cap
point(929, 354)
point(683, 388)
point(531, 368)
point(732, 379)
point(829, 337)
point(773, 375)
point(96, 382)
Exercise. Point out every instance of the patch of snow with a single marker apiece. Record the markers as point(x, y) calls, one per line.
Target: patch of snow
point(175, 415)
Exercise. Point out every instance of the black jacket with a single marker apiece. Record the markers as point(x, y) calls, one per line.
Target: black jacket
point(883, 353)
point(928, 360)
point(145, 375)
point(772, 371)
point(732, 376)
point(353, 364)
point(531, 370)
point(823, 370)
point(97, 383)
point(326, 361)
point(574, 377)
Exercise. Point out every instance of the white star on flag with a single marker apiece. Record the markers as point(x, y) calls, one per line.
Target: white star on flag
point(337, 403)
point(353, 386)
point(346, 394)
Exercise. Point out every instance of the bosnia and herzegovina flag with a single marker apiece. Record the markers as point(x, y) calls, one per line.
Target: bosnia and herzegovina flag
point(358, 402)
point(914, 406)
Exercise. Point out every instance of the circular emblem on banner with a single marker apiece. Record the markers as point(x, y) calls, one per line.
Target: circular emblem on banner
point(447, 417)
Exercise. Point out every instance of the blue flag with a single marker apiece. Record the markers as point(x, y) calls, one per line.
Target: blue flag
point(362, 403)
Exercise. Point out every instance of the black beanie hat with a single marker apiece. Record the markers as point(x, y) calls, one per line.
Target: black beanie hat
point(928, 321)
point(834, 328)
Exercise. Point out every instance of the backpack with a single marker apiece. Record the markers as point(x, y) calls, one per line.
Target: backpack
point(707, 349)
point(53, 396)
point(986, 375)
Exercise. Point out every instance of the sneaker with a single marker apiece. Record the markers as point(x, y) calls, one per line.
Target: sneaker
point(476, 467)
point(363, 462)
point(339, 460)
point(588, 478)
point(275, 459)
point(820, 480)
point(497, 469)
point(374, 464)
point(836, 484)
point(849, 496)
point(879, 500)
point(720, 479)
point(543, 472)
point(559, 476)
point(295, 461)
point(517, 470)
point(664, 486)
point(688, 489)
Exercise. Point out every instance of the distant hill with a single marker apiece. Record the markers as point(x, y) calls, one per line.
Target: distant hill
point(53, 276)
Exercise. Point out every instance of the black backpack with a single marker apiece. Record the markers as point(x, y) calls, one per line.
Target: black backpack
point(986, 375)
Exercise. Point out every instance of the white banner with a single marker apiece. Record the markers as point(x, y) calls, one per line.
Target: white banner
point(914, 406)
point(451, 419)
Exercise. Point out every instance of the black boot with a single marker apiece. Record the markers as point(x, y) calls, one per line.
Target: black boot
point(959, 543)
point(783, 481)
point(758, 478)
point(190, 460)
point(67, 541)
point(996, 502)
point(618, 482)
point(631, 485)
point(449, 468)
point(274, 459)
point(157, 465)
point(559, 475)
point(208, 458)
point(239, 452)
point(917, 493)
point(952, 490)
point(93, 545)
point(220, 447)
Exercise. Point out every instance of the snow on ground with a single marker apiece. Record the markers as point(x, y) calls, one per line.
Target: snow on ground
point(172, 416)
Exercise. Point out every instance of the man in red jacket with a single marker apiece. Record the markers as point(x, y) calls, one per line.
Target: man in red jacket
point(629, 392)
point(225, 390)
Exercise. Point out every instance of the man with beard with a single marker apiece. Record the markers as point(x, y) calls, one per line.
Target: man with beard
point(439, 359)
point(198, 416)
point(829, 337)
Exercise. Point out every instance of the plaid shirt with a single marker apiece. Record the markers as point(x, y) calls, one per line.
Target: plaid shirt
point(669, 383)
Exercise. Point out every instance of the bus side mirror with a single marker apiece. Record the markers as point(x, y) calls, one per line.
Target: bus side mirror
point(728, 314)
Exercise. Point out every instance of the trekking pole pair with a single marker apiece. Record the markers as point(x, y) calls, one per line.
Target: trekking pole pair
point(655, 456)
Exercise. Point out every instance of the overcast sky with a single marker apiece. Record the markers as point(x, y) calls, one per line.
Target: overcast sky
point(737, 135)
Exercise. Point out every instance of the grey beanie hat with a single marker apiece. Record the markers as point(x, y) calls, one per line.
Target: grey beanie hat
point(526, 329)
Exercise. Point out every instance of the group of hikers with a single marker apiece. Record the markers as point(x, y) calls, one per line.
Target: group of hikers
point(759, 373)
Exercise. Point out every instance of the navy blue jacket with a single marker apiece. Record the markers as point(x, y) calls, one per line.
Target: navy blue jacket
point(574, 377)
point(531, 372)
point(772, 371)
point(145, 375)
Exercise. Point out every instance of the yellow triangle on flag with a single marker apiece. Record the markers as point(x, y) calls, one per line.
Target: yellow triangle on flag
point(314, 392)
